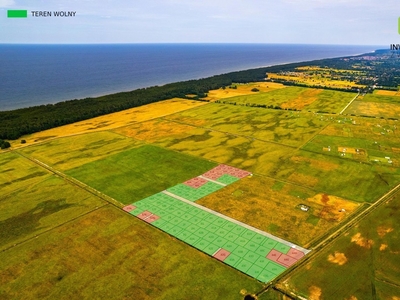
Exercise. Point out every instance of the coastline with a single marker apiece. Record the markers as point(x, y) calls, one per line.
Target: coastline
point(167, 75)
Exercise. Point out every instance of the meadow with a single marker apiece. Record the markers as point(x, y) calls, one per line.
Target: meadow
point(376, 105)
point(279, 126)
point(238, 89)
point(73, 151)
point(361, 264)
point(109, 254)
point(28, 203)
point(317, 76)
point(297, 98)
point(137, 173)
point(111, 121)
point(91, 248)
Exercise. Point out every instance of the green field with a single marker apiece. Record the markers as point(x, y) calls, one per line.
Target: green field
point(297, 98)
point(137, 173)
point(69, 152)
point(33, 201)
point(279, 126)
point(363, 263)
point(109, 254)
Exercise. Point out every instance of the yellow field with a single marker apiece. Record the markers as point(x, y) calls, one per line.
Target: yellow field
point(387, 110)
point(303, 100)
point(313, 80)
point(387, 93)
point(243, 89)
point(159, 129)
point(255, 201)
point(111, 121)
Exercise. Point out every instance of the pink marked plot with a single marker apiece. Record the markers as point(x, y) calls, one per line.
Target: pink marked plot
point(129, 208)
point(222, 254)
point(195, 182)
point(274, 255)
point(152, 218)
point(286, 260)
point(296, 254)
point(144, 215)
point(213, 174)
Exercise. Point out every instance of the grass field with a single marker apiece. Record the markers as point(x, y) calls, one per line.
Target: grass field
point(111, 121)
point(273, 206)
point(109, 254)
point(337, 176)
point(298, 98)
point(375, 105)
point(70, 152)
point(313, 75)
point(135, 174)
point(364, 263)
point(229, 134)
point(29, 204)
point(242, 89)
point(279, 126)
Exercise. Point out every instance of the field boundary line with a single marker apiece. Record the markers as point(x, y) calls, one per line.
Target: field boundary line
point(331, 238)
point(55, 227)
point(341, 112)
point(266, 234)
point(74, 181)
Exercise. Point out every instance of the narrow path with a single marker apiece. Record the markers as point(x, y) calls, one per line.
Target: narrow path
point(349, 103)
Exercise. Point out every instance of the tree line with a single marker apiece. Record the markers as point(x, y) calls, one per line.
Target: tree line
point(16, 123)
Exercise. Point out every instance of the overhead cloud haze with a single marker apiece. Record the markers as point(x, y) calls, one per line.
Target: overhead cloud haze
point(208, 21)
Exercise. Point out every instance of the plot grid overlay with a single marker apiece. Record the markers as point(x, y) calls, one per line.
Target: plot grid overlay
point(251, 251)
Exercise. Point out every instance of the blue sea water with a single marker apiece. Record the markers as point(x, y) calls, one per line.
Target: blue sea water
point(40, 74)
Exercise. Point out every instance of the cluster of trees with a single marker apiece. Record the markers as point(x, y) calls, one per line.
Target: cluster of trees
point(23, 121)
point(256, 105)
point(4, 144)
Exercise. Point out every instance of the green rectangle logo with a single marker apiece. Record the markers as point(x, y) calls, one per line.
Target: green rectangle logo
point(17, 13)
point(399, 25)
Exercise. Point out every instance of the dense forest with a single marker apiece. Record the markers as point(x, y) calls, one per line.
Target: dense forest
point(16, 123)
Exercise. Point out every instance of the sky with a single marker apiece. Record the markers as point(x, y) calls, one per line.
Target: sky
point(346, 22)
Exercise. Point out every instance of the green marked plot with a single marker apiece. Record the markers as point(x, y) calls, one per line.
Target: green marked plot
point(232, 259)
point(241, 252)
point(263, 251)
point(209, 233)
point(262, 262)
point(241, 241)
point(192, 240)
point(231, 237)
point(252, 246)
point(259, 239)
point(270, 243)
point(201, 244)
point(211, 249)
point(251, 257)
point(227, 179)
point(275, 268)
point(230, 246)
point(243, 265)
point(255, 271)
point(266, 276)
point(228, 226)
point(237, 229)
point(282, 248)
point(248, 234)
point(220, 241)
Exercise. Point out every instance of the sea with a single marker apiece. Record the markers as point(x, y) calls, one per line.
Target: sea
point(32, 75)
